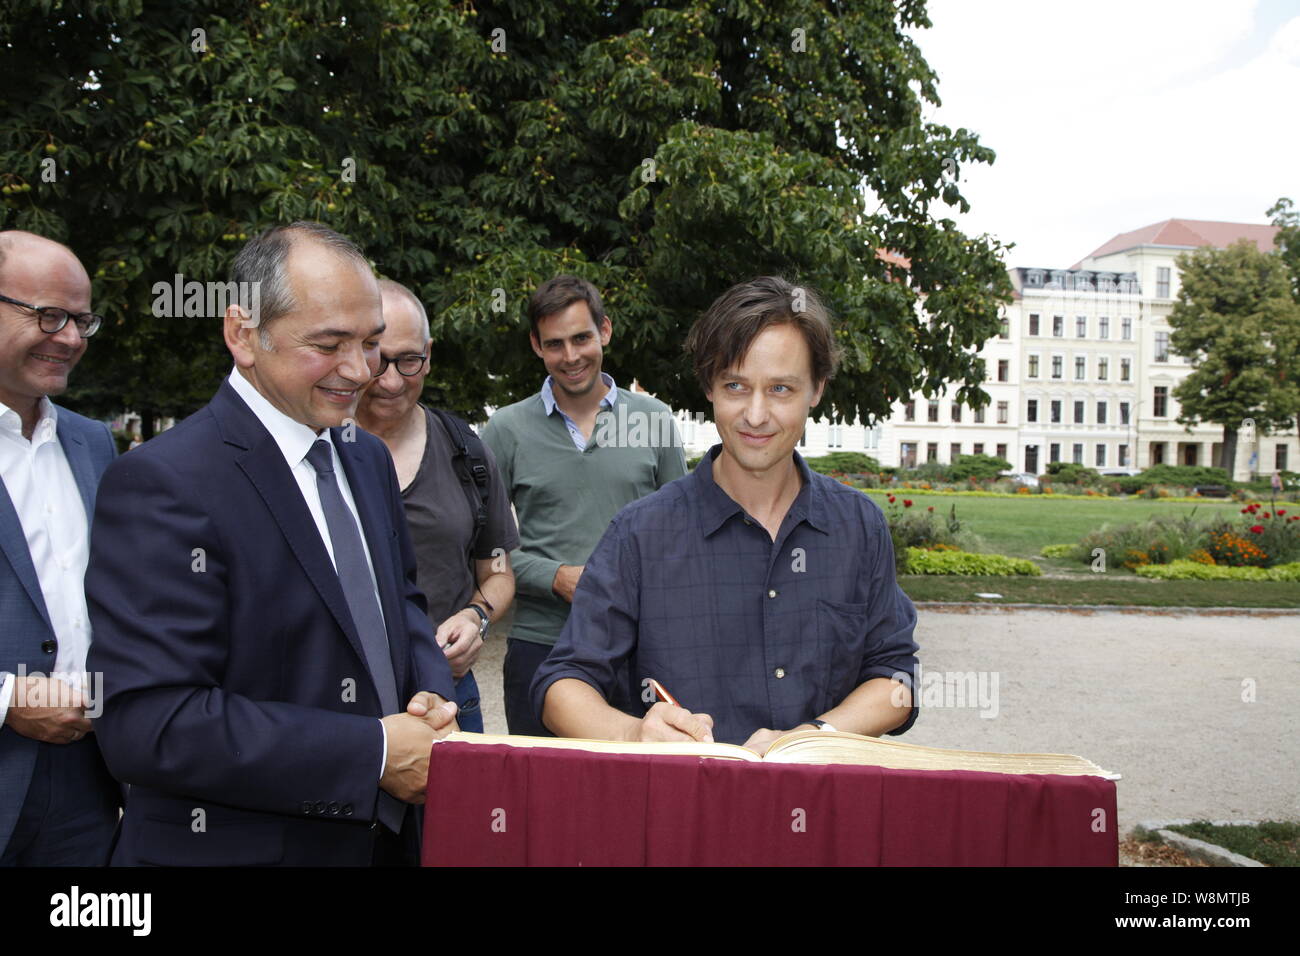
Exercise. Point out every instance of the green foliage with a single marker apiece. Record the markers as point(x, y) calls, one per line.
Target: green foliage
point(1185, 475)
point(1194, 571)
point(844, 463)
point(1271, 842)
point(1058, 550)
point(1070, 473)
point(662, 150)
point(1238, 322)
point(977, 466)
point(921, 561)
point(1154, 541)
point(1287, 220)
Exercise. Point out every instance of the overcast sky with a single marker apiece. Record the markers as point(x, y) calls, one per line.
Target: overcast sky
point(1109, 115)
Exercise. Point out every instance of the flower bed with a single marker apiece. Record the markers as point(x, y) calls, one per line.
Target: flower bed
point(1196, 571)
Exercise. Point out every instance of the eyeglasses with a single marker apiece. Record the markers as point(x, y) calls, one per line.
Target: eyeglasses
point(52, 319)
point(408, 365)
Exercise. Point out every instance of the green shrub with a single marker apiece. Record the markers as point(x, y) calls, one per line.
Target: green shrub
point(1058, 550)
point(920, 561)
point(1154, 541)
point(1193, 571)
point(1069, 473)
point(977, 466)
point(844, 462)
point(1185, 475)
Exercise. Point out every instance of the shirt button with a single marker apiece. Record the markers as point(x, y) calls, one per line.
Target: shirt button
point(780, 672)
point(49, 647)
point(771, 594)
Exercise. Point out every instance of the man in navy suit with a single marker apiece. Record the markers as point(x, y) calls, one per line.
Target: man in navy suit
point(272, 685)
point(58, 804)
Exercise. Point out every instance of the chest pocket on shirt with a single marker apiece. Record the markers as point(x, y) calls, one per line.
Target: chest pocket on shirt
point(841, 642)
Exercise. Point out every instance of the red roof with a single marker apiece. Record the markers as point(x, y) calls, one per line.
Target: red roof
point(1190, 233)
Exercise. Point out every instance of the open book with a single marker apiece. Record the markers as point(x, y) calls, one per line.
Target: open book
point(821, 747)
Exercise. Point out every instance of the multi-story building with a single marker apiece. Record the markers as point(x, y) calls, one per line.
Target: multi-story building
point(1081, 371)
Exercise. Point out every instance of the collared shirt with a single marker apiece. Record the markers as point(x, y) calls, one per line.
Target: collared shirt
point(295, 440)
point(48, 503)
point(548, 400)
point(689, 589)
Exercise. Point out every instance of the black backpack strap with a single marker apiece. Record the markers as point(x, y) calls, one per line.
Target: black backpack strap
point(470, 462)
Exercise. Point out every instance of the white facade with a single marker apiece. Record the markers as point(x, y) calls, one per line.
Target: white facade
point(1075, 375)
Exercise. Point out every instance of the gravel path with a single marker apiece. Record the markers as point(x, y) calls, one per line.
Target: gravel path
point(1157, 697)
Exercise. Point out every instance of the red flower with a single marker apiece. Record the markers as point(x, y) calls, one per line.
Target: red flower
point(1245, 511)
point(931, 508)
point(907, 503)
point(1257, 529)
point(891, 499)
point(1281, 512)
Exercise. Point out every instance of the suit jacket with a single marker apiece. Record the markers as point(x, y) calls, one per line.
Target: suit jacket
point(26, 635)
point(238, 705)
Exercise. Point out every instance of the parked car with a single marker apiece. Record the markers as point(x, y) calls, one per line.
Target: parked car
point(1020, 478)
point(1118, 472)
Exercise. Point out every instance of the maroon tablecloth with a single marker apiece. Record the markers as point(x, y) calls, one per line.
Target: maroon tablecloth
point(494, 805)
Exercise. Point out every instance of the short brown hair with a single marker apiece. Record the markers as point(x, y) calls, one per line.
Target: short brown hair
point(721, 337)
point(555, 295)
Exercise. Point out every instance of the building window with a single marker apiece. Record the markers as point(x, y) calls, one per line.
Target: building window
point(1081, 326)
point(956, 412)
point(1162, 346)
point(1123, 456)
point(871, 438)
point(1125, 369)
point(977, 448)
point(1058, 363)
point(1126, 328)
point(1054, 451)
point(1080, 368)
point(1033, 366)
point(1033, 323)
point(1160, 401)
point(835, 436)
point(1279, 457)
point(1162, 282)
point(1157, 453)
point(1058, 325)
point(932, 410)
point(1101, 455)
point(1078, 453)
point(909, 411)
point(932, 451)
point(1004, 328)
point(1004, 369)
point(1078, 413)
point(1055, 411)
point(1101, 413)
point(954, 451)
point(1103, 327)
point(1123, 413)
point(1002, 452)
point(1031, 410)
point(1002, 413)
point(1103, 369)
point(979, 416)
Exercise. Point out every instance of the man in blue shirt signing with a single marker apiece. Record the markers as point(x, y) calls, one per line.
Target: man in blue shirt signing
point(759, 593)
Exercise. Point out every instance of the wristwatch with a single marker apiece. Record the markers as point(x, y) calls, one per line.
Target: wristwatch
point(483, 620)
point(819, 724)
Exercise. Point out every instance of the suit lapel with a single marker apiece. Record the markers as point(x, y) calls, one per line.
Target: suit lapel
point(77, 452)
point(13, 542)
point(376, 531)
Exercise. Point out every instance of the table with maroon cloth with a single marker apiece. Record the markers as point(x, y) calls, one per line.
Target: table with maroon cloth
point(496, 805)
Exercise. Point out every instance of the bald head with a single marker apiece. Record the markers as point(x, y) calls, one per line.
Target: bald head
point(34, 252)
point(404, 306)
point(39, 273)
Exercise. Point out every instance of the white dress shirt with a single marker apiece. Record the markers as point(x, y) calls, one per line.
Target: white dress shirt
point(295, 440)
point(39, 481)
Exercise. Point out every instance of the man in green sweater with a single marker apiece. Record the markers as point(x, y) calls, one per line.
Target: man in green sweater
point(570, 457)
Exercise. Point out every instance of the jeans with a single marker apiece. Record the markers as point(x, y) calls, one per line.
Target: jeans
point(469, 715)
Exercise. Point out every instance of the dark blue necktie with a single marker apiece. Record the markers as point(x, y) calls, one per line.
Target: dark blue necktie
point(358, 589)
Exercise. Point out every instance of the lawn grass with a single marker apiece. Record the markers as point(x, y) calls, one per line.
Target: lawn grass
point(1276, 844)
point(1019, 527)
point(1115, 589)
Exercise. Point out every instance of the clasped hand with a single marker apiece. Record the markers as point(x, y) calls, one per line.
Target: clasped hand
point(411, 735)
